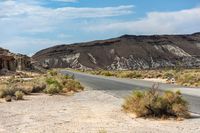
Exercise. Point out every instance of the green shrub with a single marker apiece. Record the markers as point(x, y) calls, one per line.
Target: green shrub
point(152, 104)
point(51, 80)
point(53, 89)
point(19, 95)
point(52, 73)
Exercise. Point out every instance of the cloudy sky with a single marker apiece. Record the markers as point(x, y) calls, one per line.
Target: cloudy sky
point(31, 25)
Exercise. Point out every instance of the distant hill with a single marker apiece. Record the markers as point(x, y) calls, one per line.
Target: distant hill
point(125, 52)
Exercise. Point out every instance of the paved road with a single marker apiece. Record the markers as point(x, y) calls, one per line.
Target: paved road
point(122, 87)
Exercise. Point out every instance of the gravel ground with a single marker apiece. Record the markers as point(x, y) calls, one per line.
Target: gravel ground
point(86, 112)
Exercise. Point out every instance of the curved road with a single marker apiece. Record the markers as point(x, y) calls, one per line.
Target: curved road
point(122, 87)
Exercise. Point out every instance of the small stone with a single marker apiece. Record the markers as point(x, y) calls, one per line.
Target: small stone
point(8, 98)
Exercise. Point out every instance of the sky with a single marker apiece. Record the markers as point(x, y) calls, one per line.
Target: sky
point(27, 26)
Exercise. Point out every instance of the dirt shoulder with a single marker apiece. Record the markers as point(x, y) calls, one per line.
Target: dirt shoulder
point(86, 112)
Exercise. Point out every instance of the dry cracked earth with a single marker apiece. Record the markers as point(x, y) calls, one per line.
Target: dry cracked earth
point(85, 112)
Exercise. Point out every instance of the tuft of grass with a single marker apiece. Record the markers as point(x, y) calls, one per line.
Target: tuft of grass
point(153, 104)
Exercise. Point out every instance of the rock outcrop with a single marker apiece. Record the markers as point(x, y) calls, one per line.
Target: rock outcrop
point(12, 62)
point(125, 52)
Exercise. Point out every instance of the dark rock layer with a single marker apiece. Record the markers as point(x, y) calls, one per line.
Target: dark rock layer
point(125, 52)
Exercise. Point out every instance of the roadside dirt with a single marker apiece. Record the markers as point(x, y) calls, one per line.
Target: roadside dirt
point(86, 112)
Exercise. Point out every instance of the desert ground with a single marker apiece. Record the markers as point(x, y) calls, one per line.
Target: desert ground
point(90, 111)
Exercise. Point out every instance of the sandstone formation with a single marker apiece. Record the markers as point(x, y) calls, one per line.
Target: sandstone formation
point(12, 62)
point(125, 52)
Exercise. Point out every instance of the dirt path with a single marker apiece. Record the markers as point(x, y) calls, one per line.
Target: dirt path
point(86, 112)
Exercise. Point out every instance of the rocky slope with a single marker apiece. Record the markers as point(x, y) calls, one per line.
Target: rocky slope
point(125, 52)
point(11, 62)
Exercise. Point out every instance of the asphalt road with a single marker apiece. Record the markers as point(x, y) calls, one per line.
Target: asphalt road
point(122, 87)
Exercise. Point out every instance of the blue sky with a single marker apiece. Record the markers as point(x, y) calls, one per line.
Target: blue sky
point(31, 25)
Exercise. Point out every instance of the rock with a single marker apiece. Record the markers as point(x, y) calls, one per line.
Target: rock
point(4, 71)
point(8, 98)
point(12, 62)
point(125, 53)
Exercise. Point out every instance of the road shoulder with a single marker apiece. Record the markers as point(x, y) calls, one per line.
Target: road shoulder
point(88, 111)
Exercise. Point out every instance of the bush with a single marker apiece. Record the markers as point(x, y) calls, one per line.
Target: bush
point(19, 95)
point(53, 89)
point(152, 104)
point(52, 83)
point(130, 74)
point(39, 87)
point(52, 73)
point(8, 91)
point(72, 85)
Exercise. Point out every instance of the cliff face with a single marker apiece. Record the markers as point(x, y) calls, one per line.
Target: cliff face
point(125, 52)
point(12, 62)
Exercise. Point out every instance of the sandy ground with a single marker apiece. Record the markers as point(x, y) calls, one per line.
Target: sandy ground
point(86, 112)
point(159, 80)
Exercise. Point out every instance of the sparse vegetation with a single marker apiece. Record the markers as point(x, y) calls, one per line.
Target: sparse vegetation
point(50, 83)
point(153, 104)
point(185, 77)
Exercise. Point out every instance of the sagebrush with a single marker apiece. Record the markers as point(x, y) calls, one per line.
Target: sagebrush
point(154, 104)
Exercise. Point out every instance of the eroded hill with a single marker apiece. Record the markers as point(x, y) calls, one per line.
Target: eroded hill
point(125, 52)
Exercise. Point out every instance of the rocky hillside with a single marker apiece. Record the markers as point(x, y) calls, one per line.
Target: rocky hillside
point(11, 62)
point(125, 52)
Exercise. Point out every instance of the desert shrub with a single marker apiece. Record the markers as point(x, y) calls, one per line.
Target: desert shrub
point(51, 80)
point(189, 79)
point(130, 74)
point(9, 90)
point(107, 73)
point(25, 87)
point(53, 89)
point(19, 95)
point(72, 85)
point(38, 87)
point(52, 73)
point(168, 74)
point(153, 104)
point(60, 83)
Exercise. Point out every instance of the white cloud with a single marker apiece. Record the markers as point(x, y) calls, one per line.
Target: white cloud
point(35, 18)
point(65, 0)
point(23, 23)
point(15, 9)
point(184, 21)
